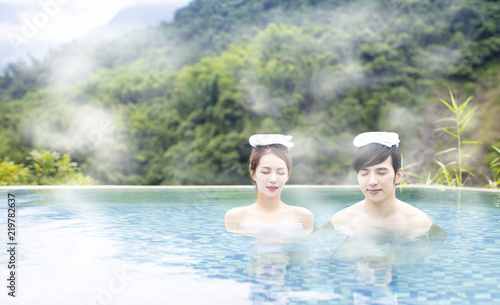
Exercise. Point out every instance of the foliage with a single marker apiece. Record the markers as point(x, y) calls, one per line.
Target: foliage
point(495, 169)
point(175, 104)
point(451, 173)
point(12, 174)
point(43, 168)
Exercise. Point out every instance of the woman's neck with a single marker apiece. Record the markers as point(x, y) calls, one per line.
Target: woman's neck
point(267, 204)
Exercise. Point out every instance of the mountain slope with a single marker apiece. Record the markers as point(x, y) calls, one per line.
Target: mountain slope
point(175, 104)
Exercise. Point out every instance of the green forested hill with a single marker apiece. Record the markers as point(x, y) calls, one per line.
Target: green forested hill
point(176, 104)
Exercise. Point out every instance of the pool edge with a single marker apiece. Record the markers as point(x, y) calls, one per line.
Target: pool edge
point(90, 187)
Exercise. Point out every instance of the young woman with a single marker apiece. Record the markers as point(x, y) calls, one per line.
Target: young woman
point(270, 167)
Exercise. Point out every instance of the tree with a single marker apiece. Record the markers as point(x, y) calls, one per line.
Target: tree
point(44, 168)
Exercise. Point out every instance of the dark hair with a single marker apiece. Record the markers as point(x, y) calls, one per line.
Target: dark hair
point(277, 149)
point(373, 154)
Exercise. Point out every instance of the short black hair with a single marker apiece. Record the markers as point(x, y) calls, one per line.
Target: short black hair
point(375, 153)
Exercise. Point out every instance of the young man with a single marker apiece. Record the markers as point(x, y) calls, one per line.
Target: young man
point(377, 163)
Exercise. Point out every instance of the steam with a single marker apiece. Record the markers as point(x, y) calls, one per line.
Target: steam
point(71, 69)
point(81, 130)
point(350, 32)
point(87, 129)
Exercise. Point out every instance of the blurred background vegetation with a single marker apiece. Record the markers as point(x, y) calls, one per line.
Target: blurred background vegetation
point(175, 104)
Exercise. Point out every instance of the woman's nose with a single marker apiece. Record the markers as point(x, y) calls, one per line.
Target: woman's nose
point(272, 178)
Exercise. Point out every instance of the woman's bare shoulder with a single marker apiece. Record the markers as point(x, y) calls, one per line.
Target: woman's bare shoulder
point(233, 218)
point(236, 213)
point(302, 212)
point(304, 216)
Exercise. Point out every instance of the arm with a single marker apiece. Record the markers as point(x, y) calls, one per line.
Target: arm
point(233, 219)
point(306, 218)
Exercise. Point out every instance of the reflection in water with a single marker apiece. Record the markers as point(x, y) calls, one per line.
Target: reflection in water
point(278, 255)
point(376, 273)
point(268, 271)
point(379, 255)
point(283, 257)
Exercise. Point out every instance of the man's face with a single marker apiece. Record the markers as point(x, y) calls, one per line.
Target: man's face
point(378, 182)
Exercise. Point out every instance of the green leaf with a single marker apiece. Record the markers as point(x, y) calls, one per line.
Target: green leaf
point(410, 165)
point(446, 151)
point(449, 132)
point(454, 103)
point(446, 119)
point(448, 105)
point(464, 104)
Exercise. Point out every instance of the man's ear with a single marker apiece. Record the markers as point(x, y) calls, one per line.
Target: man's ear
point(399, 176)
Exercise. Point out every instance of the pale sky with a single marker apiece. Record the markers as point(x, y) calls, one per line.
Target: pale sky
point(39, 23)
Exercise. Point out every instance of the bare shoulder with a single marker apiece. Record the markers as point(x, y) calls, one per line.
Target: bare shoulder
point(305, 217)
point(345, 215)
point(233, 218)
point(235, 214)
point(303, 213)
point(415, 216)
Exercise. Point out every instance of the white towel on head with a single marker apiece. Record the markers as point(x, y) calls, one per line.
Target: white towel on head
point(268, 139)
point(388, 139)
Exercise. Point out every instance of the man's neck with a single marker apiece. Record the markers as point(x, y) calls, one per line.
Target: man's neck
point(381, 210)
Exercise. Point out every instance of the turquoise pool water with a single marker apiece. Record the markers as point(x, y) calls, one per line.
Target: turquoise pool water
point(168, 246)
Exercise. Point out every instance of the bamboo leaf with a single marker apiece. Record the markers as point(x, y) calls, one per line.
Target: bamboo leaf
point(446, 151)
point(464, 104)
point(448, 105)
point(445, 166)
point(491, 184)
point(429, 180)
point(410, 165)
point(449, 132)
point(454, 103)
point(446, 119)
point(465, 120)
point(468, 156)
point(466, 117)
point(439, 163)
point(441, 128)
point(412, 175)
point(469, 172)
point(472, 142)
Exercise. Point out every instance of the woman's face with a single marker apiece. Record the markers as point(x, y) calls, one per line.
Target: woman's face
point(270, 175)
